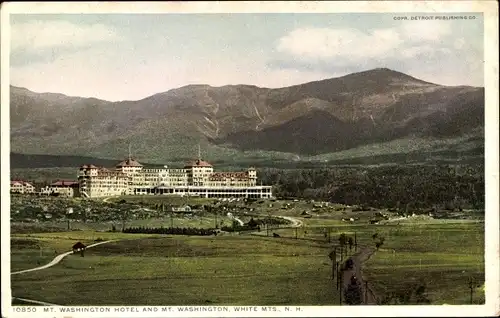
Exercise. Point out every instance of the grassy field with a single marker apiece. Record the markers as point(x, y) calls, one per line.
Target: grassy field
point(441, 256)
point(32, 250)
point(237, 270)
point(244, 270)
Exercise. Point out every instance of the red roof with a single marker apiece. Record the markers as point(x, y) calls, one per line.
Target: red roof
point(129, 163)
point(24, 183)
point(198, 163)
point(64, 183)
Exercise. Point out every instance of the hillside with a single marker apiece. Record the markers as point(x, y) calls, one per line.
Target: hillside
point(51, 161)
point(246, 122)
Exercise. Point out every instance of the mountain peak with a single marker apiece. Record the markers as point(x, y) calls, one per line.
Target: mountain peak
point(358, 109)
point(384, 73)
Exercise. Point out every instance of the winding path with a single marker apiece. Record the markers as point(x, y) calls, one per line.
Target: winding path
point(295, 222)
point(108, 198)
point(56, 260)
point(43, 303)
point(240, 222)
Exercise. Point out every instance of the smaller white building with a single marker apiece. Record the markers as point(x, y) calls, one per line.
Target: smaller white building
point(22, 187)
point(67, 188)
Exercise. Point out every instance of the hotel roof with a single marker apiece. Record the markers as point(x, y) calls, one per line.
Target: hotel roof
point(88, 167)
point(129, 163)
point(198, 163)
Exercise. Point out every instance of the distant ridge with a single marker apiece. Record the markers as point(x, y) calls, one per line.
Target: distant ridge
point(54, 161)
point(245, 121)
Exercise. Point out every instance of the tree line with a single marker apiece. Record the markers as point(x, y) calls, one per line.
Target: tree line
point(170, 230)
point(409, 186)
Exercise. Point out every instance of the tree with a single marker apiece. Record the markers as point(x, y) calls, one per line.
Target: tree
point(125, 215)
point(252, 223)
point(342, 239)
point(351, 243)
point(378, 240)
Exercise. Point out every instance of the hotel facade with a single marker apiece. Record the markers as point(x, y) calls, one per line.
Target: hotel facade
point(197, 178)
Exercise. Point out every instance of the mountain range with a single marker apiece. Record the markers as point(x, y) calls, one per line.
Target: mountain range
point(356, 111)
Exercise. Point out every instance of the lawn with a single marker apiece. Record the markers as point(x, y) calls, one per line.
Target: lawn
point(236, 270)
point(443, 254)
point(32, 250)
point(443, 257)
point(247, 269)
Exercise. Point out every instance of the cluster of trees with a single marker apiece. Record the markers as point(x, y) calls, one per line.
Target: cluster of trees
point(378, 240)
point(267, 220)
point(347, 241)
point(171, 230)
point(253, 224)
point(249, 226)
point(239, 228)
point(408, 295)
point(402, 187)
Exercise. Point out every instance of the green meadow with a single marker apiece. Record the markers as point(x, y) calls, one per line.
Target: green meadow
point(141, 269)
point(231, 270)
point(246, 268)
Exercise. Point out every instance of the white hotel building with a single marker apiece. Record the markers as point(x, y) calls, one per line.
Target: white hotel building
point(197, 178)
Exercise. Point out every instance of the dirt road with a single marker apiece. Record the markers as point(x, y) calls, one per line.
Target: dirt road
point(357, 292)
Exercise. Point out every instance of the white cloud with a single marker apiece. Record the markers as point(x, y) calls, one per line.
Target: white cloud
point(127, 70)
point(425, 30)
point(321, 43)
point(49, 34)
point(427, 50)
point(97, 73)
point(407, 40)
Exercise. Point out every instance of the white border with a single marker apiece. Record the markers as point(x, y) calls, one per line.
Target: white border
point(488, 8)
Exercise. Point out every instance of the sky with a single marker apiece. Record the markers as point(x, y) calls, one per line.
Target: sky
point(133, 56)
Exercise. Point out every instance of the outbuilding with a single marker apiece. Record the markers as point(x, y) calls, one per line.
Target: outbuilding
point(79, 247)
